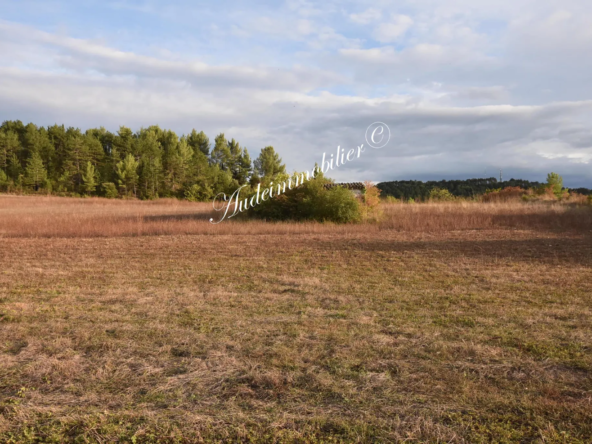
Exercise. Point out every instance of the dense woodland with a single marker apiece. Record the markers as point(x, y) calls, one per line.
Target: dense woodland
point(149, 163)
point(415, 189)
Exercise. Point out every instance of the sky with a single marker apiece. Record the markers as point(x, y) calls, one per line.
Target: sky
point(467, 87)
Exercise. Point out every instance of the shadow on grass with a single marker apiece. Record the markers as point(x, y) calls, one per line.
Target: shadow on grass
point(567, 250)
point(178, 217)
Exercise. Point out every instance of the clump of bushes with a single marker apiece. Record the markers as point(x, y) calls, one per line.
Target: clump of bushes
point(370, 203)
point(313, 200)
point(199, 192)
point(441, 195)
point(552, 190)
point(505, 195)
point(391, 200)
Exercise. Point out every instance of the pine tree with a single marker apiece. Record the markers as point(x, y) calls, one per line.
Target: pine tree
point(269, 164)
point(150, 163)
point(221, 155)
point(555, 182)
point(9, 145)
point(15, 168)
point(127, 174)
point(124, 142)
point(76, 156)
point(178, 165)
point(94, 148)
point(89, 178)
point(58, 138)
point(199, 141)
point(31, 140)
point(35, 173)
point(3, 179)
point(239, 163)
point(245, 167)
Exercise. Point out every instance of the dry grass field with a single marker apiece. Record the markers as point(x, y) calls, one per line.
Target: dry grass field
point(128, 321)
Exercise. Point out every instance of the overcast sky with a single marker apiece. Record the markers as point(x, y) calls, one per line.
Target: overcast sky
point(466, 86)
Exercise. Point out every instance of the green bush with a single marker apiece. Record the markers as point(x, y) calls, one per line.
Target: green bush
point(198, 193)
point(110, 190)
point(311, 201)
point(391, 199)
point(441, 195)
point(336, 205)
point(555, 182)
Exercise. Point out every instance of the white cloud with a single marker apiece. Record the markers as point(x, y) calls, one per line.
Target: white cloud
point(391, 31)
point(80, 55)
point(526, 140)
point(368, 16)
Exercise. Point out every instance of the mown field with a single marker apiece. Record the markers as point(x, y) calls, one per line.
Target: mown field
point(129, 321)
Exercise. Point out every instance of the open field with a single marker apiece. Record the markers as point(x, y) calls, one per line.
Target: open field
point(142, 322)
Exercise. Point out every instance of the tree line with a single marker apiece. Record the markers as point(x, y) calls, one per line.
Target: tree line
point(155, 162)
point(146, 164)
point(418, 190)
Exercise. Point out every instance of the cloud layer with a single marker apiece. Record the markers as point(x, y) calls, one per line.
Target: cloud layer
point(466, 87)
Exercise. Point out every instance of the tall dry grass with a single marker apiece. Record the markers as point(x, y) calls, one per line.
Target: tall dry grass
point(464, 215)
point(35, 216)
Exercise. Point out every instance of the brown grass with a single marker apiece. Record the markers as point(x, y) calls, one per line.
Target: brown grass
point(34, 216)
point(141, 322)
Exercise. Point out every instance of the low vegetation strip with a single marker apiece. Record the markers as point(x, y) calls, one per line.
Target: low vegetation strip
point(36, 216)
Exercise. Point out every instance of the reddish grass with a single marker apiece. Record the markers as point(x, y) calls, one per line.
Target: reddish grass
point(464, 323)
point(33, 216)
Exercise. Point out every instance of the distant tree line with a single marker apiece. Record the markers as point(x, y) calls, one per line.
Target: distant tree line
point(418, 190)
point(148, 163)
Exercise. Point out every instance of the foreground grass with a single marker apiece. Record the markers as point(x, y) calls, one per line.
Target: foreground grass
point(340, 335)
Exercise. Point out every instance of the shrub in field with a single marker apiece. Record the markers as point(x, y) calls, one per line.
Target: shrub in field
point(336, 205)
point(577, 198)
point(391, 200)
point(370, 206)
point(505, 195)
point(553, 189)
point(441, 195)
point(545, 193)
point(89, 177)
point(555, 184)
point(312, 201)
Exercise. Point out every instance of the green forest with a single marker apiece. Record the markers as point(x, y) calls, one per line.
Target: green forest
point(418, 190)
point(146, 164)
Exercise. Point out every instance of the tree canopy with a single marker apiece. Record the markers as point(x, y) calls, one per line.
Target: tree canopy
point(149, 163)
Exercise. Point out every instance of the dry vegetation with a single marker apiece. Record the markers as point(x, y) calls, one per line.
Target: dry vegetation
point(141, 322)
point(28, 216)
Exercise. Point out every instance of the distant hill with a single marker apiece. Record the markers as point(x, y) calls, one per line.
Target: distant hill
point(416, 189)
